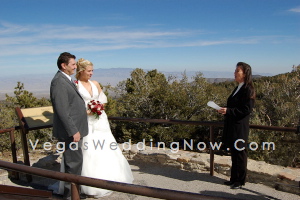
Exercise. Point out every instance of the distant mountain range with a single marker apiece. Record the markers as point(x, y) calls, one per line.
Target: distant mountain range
point(39, 84)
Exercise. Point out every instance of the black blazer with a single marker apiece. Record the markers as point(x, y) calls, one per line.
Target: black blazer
point(69, 109)
point(236, 122)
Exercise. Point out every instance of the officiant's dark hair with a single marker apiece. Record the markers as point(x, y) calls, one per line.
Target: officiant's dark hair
point(248, 77)
point(64, 58)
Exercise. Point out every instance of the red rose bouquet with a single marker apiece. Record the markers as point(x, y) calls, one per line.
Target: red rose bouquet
point(96, 108)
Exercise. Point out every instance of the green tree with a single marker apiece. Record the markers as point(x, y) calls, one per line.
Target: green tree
point(22, 99)
point(25, 99)
point(277, 104)
point(152, 95)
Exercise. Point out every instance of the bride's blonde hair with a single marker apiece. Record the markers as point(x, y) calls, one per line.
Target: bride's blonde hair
point(81, 66)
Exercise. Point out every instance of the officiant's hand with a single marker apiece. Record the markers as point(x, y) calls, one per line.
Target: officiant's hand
point(222, 111)
point(76, 137)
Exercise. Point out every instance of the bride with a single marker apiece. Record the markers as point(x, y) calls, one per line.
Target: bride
point(102, 158)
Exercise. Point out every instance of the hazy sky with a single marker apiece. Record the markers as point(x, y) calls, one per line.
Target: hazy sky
point(169, 35)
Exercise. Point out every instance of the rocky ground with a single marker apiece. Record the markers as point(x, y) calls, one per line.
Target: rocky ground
point(150, 168)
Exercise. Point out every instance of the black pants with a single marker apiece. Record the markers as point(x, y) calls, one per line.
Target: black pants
point(239, 166)
point(73, 162)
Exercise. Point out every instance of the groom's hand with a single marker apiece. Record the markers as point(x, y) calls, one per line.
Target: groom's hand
point(76, 137)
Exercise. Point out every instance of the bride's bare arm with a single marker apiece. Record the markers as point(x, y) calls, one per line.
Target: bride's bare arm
point(99, 89)
point(98, 86)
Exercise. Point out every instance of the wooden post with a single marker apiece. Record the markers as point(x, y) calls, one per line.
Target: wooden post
point(75, 191)
point(24, 132)
point(14, 153)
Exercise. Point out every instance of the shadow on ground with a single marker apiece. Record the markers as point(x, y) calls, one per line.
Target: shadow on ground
point(50, 162)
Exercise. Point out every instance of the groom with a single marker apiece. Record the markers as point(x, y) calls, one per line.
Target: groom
point(70, 117)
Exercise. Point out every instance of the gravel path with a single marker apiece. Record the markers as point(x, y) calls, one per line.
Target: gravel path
point(202, 183)
point(171, 178)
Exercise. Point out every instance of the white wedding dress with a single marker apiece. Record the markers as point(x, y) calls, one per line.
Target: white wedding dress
point(102, 158)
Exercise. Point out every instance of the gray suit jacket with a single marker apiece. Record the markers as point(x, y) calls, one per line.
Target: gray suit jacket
point(69, 108)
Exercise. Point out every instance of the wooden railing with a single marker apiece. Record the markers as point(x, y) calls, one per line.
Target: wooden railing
point(76, 180)
point(204, 123)
point(210, 124)
point(12, 145)
point(24, 129)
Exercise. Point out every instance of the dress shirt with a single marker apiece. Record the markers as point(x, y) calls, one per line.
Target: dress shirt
point(69, 77)
point(239, 87)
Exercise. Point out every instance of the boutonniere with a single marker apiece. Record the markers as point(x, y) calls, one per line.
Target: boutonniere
point(76, 83)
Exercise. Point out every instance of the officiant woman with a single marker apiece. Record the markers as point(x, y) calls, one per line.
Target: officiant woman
point(236, 123)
